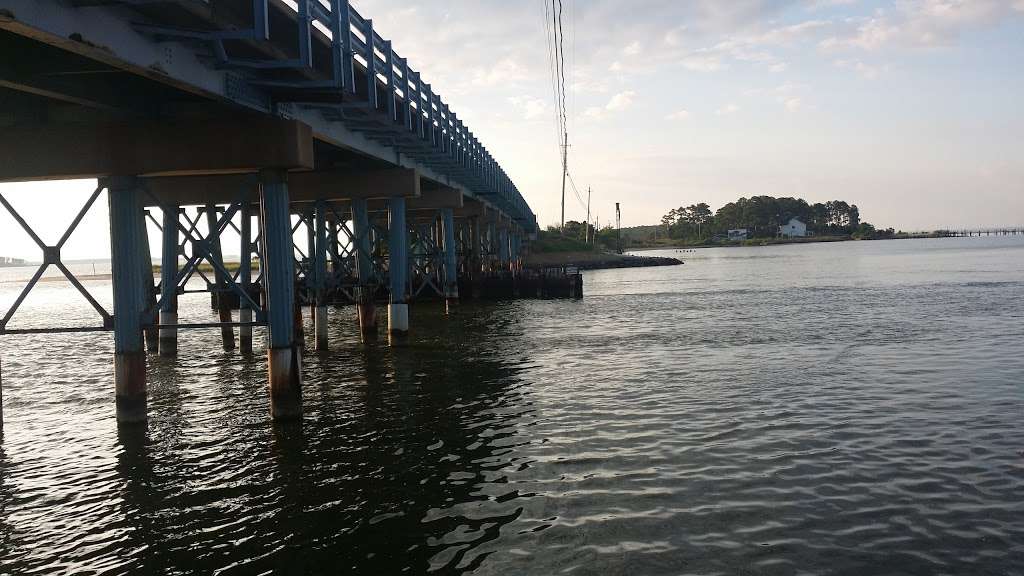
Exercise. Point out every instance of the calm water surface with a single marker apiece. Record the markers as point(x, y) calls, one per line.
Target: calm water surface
point(851, 408)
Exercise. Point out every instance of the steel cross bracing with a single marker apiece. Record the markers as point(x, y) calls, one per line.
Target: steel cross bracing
point(426, 257)
point(52, 257)
point(362, 82)
point(196, 248)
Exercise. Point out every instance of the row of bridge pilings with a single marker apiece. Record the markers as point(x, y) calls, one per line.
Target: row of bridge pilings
point(377, 257)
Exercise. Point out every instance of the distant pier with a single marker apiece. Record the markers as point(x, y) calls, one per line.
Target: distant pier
point(967, 232)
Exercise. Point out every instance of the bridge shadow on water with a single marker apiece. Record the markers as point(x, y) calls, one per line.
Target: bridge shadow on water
point(399, 464)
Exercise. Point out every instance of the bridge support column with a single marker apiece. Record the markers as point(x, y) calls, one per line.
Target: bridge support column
point(320, 276)
point(245, 278)
point(284, 357)
point(398, 244)
point(152, 328)
point(503, 250)
point(475, 261)
point(451, 262)
point(169, 283)
point(365, 308)
point(492, 244)
point(227, 333)
point(126, 230)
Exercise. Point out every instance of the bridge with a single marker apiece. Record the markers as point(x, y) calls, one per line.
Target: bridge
point(277, 120)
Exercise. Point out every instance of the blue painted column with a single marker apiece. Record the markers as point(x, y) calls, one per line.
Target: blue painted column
point(492, 246)
point(151, 329)
point(320, 276)
point(503, 250)
point(227, 333)
point(126, 261)
point(169, 282)
point(284, 358)
point(245, 277)
point(451, 261)
point(398, 244)
point(365, 309)
point(476, 241)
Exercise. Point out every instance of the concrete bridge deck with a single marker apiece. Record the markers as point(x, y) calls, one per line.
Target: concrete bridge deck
point(268, 117)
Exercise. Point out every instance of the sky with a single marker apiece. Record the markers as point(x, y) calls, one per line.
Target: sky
point(910, 109)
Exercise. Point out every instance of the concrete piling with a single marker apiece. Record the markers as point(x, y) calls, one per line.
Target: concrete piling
point(398, 244)
point(217, 255)
point(169, 283)
point(126, 230)
point(366, 310)
point(284, 358)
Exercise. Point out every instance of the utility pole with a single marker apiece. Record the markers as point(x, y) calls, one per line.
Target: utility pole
point(565, 172)
point(586, 229)
point(618, 225)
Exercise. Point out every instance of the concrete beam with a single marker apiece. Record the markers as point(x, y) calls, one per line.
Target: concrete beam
point(47, 152)
point(303, 187)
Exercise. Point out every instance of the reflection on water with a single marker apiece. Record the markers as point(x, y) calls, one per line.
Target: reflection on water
point(834, 409)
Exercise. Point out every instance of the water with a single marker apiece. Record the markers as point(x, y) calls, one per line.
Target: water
point(846, 408)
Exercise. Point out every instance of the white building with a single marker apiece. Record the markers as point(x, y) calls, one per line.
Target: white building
point(794, 229)
point(738, 235)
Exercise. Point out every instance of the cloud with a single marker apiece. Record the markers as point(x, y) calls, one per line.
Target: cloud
point(617, 103)
point(621, 101)
point(793, 104)
point(678, 115)
point(727, 110)
point(866, 71)
point(921, 23)
point(504, 72)
point(702, 63)
point(633, 49)
point(530, 108)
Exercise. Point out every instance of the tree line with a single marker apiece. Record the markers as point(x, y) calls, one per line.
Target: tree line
point(761, 216)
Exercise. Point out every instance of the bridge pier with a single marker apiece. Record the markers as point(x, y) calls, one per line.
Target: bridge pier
point(151, 330)
point(320, 276)
point(168, 346)
point(503, 250)
point(365, 308)
point(451, 263)
point(216, 253)
point(284, 357)
point(127, 228)
point(245, 279)
point(398, 245)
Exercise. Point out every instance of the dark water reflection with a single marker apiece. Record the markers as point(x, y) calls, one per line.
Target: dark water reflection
point(846, 410)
